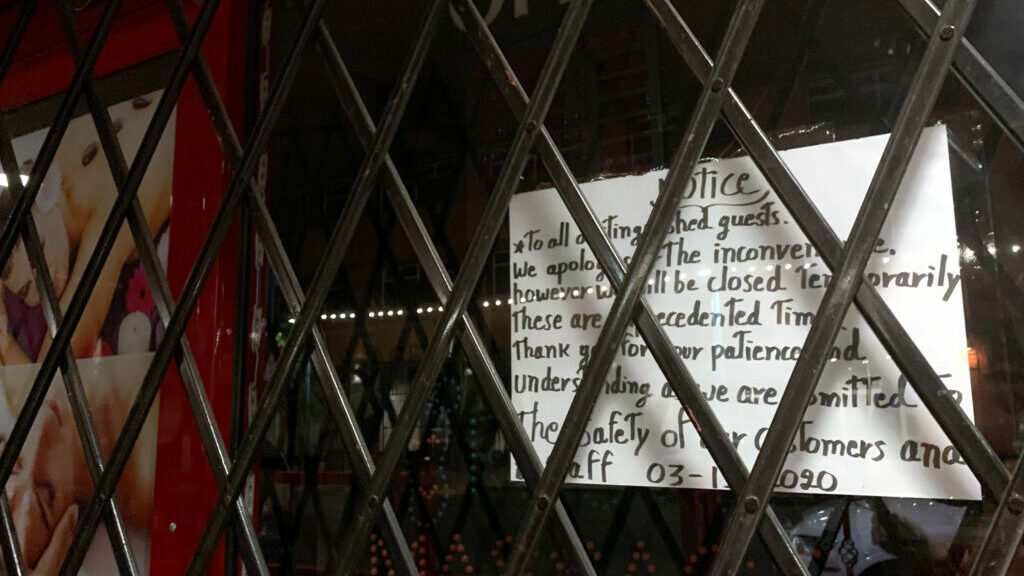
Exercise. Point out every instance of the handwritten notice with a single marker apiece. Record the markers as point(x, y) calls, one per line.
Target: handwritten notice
point(736, 287)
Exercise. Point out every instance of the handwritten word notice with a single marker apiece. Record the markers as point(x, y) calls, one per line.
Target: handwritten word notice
point(736, 287)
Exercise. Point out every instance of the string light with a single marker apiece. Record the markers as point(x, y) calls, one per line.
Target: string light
point(497, 303)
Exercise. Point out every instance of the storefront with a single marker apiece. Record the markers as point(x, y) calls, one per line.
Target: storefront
point(519, 287)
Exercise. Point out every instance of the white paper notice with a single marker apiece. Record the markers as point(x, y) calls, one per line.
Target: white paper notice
point(735, 288)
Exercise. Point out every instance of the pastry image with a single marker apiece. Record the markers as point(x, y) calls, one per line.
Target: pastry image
point(114, 338)
point(51, 484)
point(70, 211)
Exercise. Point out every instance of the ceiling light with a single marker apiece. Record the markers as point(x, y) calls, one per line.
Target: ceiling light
point(3, 180)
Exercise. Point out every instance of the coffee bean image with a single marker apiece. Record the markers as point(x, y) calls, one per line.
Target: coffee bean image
point(89, 154)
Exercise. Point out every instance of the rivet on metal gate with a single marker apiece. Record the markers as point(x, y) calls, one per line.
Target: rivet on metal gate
point(750, 504)
point(531, 126)
point(172, 527)
point(717, 84)
point(374, 501)
point(1015, 504)
point(542, 503)
point(947, 33)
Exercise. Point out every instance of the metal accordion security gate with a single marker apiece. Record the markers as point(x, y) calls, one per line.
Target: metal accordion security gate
point(947, 52)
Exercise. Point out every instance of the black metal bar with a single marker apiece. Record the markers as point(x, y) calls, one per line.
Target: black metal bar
point(146, 248)
point(232, 152)
point(361, 337)
point(979, 456)
point(279, 518)
point(336, 250)
point(977, 75)
point(613, 532)
point(840, 292)
point(72, 378)
point(83, 71)
point(473, 344)
point(162, 296)
point(200, 270)
point(464, 317)
point(323, 525)
point(92, 269)
point(84, 423)
point(14, 36)
point(828, 536)
point(787, 77)
point(310, 466)
point(469, 273)
point(665, 532)
point(682, 382)
point(330, 381)
point(239, 363)
point(13, 557)
point(1008, 293)
point(624, 306)
point(1002, 541)
point(213, 445)
point(230, 143)
point(459, 435)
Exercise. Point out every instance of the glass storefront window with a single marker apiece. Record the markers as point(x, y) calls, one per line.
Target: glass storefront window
point(585, 267)
point(814, 73)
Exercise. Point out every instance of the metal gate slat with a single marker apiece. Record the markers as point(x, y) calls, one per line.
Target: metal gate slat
point(947, 50)
point(840, 292)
